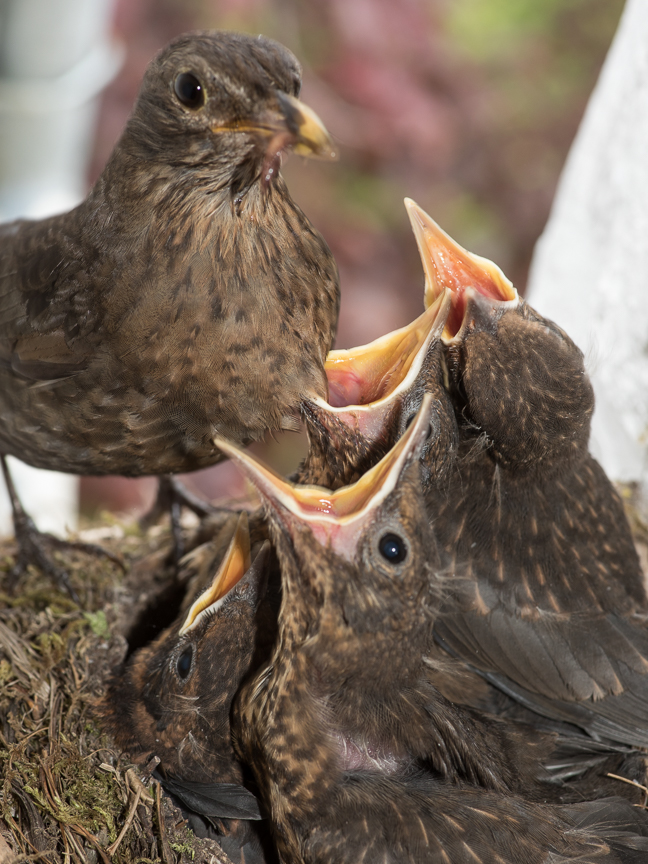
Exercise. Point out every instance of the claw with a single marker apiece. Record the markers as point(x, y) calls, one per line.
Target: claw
point(33, 546)
point(171, 498)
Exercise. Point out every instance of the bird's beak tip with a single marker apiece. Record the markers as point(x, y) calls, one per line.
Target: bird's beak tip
point(311, 136)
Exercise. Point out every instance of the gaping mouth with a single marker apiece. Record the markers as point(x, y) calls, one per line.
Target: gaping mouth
point(318, 506)
point(448, 265)
point(364, 382)
point(233, 567)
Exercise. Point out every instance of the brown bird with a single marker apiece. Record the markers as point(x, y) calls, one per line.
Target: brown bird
point(356, 755)
point(550, 606)
point(375, 391)
point(174, 697)
point(188, 295)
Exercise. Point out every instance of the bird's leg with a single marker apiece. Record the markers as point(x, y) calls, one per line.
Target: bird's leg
point(34, 545)
point(171, 498)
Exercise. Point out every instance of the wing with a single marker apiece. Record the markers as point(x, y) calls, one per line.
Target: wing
point(45, 313)
point(215, 800)
point(590, 669)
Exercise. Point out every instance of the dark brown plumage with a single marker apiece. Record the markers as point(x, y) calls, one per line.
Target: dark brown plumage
point(551, 605)
point(187, 295)
point(549, 601)
point(357, 755)
point(173, 698)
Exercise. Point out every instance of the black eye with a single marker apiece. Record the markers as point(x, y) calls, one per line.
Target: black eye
point(189, 90)
point(392, 548)
point(409, 421)
point(183, 665)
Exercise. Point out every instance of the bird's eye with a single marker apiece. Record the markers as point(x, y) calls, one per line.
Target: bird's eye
point(411, 419)
point(392, 548)
point(183, 665)
point(189, 90)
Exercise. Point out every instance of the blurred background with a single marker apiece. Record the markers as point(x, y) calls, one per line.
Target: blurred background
point(467, 106)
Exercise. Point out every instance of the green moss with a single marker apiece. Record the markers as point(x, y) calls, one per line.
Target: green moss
point(6, 671)
point(81, 796)
point(184, 849)
point(98, 623)
point(51, 647)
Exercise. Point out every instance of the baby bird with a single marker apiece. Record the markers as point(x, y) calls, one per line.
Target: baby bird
point(357, 756)
point(187, 295)
point(375, 391)
point(174, 697)
point(549, 603)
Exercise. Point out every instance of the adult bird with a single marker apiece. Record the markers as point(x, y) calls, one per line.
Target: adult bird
point(188, 295)
point(356, 754)
point(173, 697)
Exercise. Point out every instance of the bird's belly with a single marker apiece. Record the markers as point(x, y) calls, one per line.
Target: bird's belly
point(77, 428)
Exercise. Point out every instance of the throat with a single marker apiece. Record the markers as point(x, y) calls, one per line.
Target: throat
point(355, 755)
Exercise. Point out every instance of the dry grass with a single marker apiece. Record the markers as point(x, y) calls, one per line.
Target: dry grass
point(66, 794)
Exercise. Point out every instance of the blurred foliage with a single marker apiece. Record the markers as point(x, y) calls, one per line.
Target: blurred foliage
point(467, 106)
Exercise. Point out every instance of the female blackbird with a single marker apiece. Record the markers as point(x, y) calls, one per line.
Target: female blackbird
point(551, 606)
point(174, 697)
point(357, 756)
point(188, 294)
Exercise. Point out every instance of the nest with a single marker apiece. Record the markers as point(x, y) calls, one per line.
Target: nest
point(67, 794)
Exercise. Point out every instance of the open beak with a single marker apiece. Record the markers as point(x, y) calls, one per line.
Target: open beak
point(366, 382)
point(233, 567)
point(290, 125)
point(335, 518)
point(448, 265)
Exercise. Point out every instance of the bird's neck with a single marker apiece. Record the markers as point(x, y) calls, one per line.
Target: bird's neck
point(137, 180)
point(298, 744)
point(307, 738)
point(532, 537)
point(310, 717)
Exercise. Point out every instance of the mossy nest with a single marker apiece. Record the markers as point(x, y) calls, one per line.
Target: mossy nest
point(66, 793)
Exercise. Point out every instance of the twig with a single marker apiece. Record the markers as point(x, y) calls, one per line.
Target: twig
point(129, 820)
point(643, 788)
point(167, 857)
point(79, 829)
point(137, 786)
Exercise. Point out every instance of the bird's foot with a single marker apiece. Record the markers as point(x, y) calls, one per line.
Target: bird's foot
point(171, 498)
point(35, 547)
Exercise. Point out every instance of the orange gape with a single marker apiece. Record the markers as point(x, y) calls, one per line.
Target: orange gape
point(449, 265)
point(369, 373)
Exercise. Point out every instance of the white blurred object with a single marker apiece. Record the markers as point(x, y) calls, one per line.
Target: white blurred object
point(55, 58)
point(590, 267)
point(50, 498)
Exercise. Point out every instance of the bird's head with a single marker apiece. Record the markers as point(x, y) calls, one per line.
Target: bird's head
point(225, 103)
point(516, 376)
point(358, 583)
point(175, 695)
point(375, 391)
